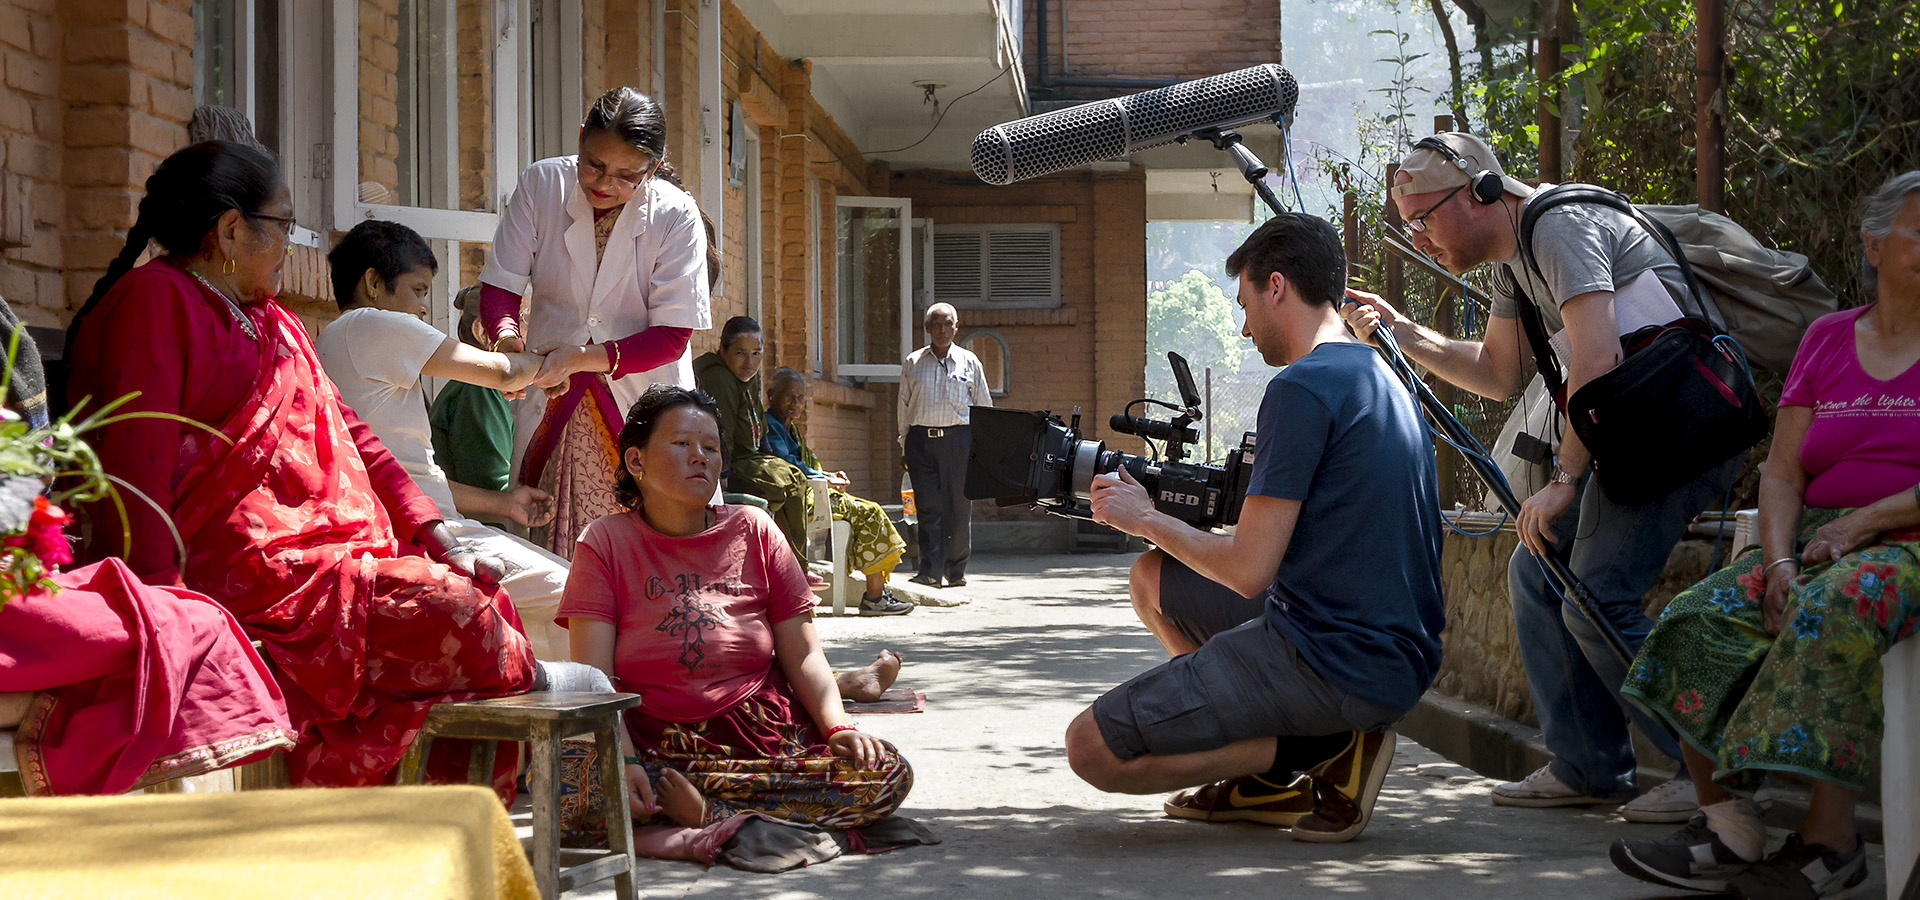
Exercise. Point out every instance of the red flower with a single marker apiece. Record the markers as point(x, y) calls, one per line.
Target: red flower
point(1873, 592)
point(1755, 582)
point(1689, 703)
point(45, 535)
point(1845, 757)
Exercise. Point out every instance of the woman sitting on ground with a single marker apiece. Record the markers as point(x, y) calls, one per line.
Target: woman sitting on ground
point(1773, 663)
point(731, 377)
point(289, 511)
point(704, 613)
point(875, 546)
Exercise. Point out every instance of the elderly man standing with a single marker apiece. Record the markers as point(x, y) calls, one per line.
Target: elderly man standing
point(938, 384)
point(1596, 271)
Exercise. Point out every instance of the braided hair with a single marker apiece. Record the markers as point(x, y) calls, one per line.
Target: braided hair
point(642, 419)
point(185, 197)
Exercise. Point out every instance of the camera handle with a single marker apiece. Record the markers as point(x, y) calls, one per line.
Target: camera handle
point(1571, 589)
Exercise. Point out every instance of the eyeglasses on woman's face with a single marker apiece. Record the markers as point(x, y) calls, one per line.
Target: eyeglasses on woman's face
point(596, 170)
point(286, 227)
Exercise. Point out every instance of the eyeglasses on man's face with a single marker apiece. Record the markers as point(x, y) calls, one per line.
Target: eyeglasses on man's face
point(1418, 223)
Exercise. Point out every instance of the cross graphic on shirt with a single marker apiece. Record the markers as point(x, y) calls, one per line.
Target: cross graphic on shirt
point(688, 618)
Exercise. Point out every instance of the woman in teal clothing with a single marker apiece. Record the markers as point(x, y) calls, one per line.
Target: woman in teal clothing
point(876, 546)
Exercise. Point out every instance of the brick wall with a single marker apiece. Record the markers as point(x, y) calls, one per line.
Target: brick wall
point(1150, 39)
point(379, 96)
point(1087, 352)
point(96, 94)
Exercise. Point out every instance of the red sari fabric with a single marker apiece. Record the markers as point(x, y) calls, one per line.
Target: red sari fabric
point(133, 685)
point(288, 520)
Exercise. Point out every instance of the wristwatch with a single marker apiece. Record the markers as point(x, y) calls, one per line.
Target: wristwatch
point(1562, 476)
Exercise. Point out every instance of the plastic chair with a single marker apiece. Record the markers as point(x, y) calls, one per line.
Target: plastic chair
point(839, 534)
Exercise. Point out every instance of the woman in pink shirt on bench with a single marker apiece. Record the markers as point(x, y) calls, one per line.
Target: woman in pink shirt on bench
point(704, 612)
point(1773, 663)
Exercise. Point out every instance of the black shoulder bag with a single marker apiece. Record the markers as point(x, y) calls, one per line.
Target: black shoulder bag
point(1680, 402)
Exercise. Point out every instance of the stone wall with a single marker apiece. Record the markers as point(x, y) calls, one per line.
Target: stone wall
point(1481, 656)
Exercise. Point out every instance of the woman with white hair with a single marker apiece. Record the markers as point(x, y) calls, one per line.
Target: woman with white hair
point(1773, 663)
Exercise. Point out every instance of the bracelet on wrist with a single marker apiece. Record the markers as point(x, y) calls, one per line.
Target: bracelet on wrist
point(1782, 560)
point(634, 761)
point(613, 357)
point(500, 338)
point(839, 728)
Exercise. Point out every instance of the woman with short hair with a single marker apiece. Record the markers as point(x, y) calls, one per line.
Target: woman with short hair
point(1773, 663)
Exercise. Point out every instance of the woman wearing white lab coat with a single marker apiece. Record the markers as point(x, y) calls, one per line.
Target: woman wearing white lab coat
point(616, 260)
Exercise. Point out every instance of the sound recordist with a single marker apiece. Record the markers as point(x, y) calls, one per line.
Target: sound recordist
point(1303, 637)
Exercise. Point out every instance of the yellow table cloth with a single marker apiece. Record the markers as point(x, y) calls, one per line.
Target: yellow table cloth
point(441, 842)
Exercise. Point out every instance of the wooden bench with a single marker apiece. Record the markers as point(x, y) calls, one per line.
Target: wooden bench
point(544, 720)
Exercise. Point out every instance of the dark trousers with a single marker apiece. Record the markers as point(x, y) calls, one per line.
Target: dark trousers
point(938, 468)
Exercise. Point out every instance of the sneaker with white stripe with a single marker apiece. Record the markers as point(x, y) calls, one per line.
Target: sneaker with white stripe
point(1802, 871)
point(1692, 858)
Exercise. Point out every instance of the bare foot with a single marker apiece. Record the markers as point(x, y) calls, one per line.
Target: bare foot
point(866, 684)
point(679, 799)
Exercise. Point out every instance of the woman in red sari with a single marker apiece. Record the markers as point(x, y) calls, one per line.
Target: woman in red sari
point(290, 512)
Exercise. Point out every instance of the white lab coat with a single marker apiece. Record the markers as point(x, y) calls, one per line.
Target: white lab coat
point(654, 273)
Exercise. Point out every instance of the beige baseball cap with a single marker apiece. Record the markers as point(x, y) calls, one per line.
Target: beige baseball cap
point(1434, 171)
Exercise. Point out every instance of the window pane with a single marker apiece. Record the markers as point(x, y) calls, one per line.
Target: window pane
point(426, 91)
point(214, 47)
point(867, 300)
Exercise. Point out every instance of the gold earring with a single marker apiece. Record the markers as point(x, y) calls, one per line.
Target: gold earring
point(228, 268)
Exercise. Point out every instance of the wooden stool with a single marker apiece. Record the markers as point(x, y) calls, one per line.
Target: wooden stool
point(543, 720)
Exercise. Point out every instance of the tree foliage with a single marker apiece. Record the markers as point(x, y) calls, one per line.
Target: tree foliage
point(1191, 316)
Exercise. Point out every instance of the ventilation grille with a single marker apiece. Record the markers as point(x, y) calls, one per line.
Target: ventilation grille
point(999, 266)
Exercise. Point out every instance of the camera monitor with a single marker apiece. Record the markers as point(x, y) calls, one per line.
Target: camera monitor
point(1183, 378)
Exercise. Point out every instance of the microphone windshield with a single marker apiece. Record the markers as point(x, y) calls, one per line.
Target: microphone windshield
point(1112, 129)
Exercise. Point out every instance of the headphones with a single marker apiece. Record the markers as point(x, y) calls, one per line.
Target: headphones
point(1485, 186)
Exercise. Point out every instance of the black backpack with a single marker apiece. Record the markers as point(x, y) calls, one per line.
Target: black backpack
point(1681, 401)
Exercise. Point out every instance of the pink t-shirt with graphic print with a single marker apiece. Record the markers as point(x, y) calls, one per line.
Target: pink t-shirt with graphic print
point(1864, 442)
point(693, 615)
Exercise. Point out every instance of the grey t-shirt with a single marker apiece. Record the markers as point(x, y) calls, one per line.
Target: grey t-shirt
point(1582, 248)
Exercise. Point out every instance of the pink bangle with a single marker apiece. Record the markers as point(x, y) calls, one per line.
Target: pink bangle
point(839, 728)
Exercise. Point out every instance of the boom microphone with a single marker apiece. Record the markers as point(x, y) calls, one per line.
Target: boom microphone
point(1112, 129)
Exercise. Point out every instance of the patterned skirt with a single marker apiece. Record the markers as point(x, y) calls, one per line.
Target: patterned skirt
point(579, 474)
point(1807, 700)
point(876, 546)
point(765, 755)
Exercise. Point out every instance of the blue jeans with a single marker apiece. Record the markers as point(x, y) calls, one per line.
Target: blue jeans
point(1617, 552)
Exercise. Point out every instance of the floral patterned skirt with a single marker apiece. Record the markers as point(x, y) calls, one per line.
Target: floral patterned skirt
point(875, 545)
point(580, 476)
point(1805, 701)
point(764, 755)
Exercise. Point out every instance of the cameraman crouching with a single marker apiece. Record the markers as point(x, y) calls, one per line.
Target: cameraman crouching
point(1283, 710)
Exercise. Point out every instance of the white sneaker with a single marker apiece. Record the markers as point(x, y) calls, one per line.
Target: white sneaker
point(1542, 789)
point(1673, 802)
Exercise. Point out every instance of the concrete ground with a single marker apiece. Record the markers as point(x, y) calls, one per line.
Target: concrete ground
point(1041, 637)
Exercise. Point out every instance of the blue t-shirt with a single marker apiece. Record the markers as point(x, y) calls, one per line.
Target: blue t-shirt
point(1358, 591)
